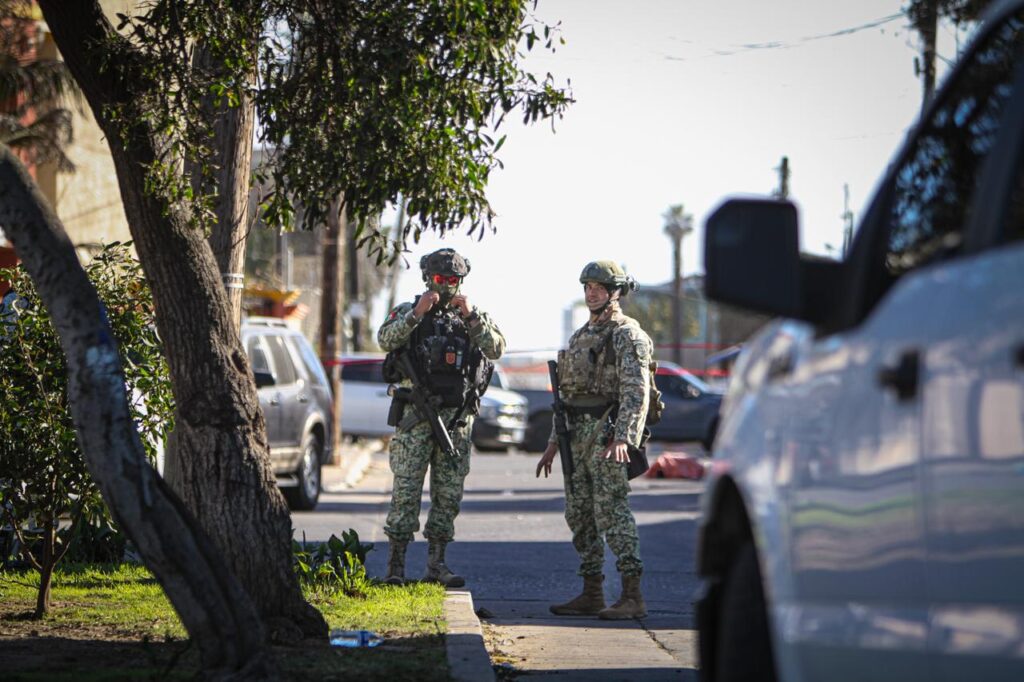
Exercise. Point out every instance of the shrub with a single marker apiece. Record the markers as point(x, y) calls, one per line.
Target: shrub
point(338, 565)
point(48, 500)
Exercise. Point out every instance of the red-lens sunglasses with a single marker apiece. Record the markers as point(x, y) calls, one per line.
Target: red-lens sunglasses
point(446, 279)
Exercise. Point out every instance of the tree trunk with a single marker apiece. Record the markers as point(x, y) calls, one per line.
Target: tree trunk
point(46, 561)
point(212, 605)
point(232, 140)
point(225, 473)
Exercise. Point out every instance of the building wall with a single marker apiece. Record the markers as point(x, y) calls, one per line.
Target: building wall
point(87, 201)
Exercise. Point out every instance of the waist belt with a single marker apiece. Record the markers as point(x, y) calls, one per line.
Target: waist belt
point(595, 411)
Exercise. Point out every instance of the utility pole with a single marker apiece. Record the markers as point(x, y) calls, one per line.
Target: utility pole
point(847, 221)
point(926, 21)
point(677, 225)
point(355, 305)
point(333, 293)
point(782, 193)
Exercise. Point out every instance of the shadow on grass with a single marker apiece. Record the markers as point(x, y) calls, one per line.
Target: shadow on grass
point(61, 659)
point(30, 658)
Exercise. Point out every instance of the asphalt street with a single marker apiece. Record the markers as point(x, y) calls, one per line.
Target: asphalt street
point(513, 547)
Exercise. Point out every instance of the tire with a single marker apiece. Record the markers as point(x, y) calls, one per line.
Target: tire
point(743, 646)
point(537, 432)
point(306, 494)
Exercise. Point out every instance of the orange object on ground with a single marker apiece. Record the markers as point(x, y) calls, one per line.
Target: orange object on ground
point(678, 465)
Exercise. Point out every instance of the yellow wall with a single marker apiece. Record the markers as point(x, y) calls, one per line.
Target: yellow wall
point(87, 201)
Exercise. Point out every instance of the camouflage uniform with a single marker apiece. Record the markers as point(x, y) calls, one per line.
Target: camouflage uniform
point(598, 505)
point(413, 450)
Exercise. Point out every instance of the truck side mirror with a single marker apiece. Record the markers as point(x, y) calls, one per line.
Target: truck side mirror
point(752, 256)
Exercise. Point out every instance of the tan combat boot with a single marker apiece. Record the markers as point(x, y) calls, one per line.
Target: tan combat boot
point(437, 572)
point(396, 563)
point(630, 604)
point(588, 603)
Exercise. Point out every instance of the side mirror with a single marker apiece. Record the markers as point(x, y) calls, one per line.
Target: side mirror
point(263, 379)
point(752, 256)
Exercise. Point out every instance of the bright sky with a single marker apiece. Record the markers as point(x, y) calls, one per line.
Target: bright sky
point(672, 108)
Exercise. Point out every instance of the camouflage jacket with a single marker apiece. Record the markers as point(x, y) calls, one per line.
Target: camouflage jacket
point(395, 332)
point(610, 361)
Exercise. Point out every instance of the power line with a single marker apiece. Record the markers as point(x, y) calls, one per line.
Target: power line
point(781, 44)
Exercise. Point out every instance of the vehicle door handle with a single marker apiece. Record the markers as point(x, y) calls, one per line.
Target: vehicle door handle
point(303, 398)
point(903, 377)
point(276, 400)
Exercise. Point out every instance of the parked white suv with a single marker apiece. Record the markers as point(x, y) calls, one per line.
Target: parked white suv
point(864, 514)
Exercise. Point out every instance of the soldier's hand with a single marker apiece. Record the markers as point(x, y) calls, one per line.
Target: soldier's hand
point(462, 303)
point(428, 299)
point(546, 459)
point(618, 451)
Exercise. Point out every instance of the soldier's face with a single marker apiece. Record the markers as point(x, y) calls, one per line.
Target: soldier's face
point(595, 295)
point(445, 286)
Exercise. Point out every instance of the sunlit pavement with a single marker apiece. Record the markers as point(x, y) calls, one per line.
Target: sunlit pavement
point(513, 547)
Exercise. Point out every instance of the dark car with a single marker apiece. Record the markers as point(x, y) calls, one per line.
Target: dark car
point(691, 407)
point(296, 400)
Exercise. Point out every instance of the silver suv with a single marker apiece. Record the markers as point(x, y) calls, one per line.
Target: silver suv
point(296, 400)
point(864, 513)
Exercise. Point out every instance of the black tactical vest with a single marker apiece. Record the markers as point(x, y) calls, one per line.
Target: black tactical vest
point(449, 364)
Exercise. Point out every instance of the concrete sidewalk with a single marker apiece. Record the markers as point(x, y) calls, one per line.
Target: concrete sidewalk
point(352, 465)
point(524, 638)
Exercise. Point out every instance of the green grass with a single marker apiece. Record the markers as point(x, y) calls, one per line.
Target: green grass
point(114, 623)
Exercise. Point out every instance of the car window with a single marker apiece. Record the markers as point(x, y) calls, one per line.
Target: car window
point(284, 370)
point(672, 384)
point(257, 356)
point(310, 361)
point(933, 187)
point(363, 371)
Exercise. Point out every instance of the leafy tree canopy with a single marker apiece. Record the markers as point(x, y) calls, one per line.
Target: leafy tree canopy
point(369, 99)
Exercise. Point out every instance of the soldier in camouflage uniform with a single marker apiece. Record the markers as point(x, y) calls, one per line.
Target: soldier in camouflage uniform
point(604, 376)
point(440, 318)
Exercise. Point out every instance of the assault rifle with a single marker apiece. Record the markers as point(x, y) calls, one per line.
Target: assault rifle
point(561, 424)
point(418, 396)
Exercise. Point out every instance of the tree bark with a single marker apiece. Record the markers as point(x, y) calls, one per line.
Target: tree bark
point(232, 141)
point(225, 473)
point(212, 605)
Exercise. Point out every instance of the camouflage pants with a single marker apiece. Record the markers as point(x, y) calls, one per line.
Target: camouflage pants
point(598, 507)
point(412, 452)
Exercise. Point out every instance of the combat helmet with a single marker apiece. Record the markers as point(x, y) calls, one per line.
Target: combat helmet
point(444, 262)
point(609, 274)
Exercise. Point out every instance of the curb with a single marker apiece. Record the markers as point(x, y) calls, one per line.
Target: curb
point(337, 478)
point(464, 642)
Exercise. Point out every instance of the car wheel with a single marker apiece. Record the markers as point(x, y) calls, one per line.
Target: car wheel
point(537, 432)
point(306, 494)
point(744, 648)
